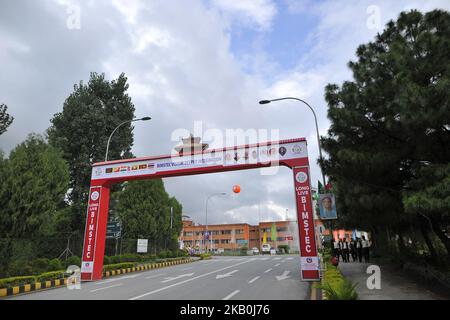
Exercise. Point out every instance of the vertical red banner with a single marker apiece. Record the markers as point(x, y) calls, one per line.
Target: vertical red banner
point(90, 234)
point(309, 261)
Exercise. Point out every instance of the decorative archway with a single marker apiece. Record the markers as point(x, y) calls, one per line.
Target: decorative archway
point(291, 153)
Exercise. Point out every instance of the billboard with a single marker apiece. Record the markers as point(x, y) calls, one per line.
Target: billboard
point(327, 206)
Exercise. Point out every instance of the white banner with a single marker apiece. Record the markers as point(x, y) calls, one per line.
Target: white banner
point(238, 156)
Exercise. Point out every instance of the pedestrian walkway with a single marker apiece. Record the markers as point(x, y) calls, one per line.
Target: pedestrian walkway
point(394, 285)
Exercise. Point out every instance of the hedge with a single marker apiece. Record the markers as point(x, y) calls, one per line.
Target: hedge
point(16, 281)
point(52, 275)
point(118, 266)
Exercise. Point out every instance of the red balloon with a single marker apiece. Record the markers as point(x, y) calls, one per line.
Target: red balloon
point(236, 189)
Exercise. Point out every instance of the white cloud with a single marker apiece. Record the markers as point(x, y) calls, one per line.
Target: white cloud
point(249, 12)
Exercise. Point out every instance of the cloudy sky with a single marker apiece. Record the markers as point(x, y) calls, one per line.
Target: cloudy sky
point(192, 62)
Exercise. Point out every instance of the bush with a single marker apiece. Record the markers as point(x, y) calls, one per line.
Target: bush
point(53, 275)
point(20, 268)
point(74, 261)
point(16, 281)
point(205, 256)
point(335, 286)
point(118, 266)
point(165, 254)
point(40, 265)
point(54, 265)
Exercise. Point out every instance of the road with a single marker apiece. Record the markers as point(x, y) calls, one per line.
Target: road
point(221, 278)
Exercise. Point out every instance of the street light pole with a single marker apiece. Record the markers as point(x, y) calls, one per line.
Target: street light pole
point(112, 133)
point(315, 120)
point(318, 139)
point(206, 215)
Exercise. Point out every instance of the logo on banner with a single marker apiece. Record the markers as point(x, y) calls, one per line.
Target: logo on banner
point(95, 195)
point(301, 177)
point(282, 151)
point(98, 171)
point(296, 149)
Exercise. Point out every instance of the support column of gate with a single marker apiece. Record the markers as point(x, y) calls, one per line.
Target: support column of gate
point(95, 233)
point(309, 260)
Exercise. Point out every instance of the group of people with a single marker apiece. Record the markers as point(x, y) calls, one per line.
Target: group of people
point(356, 248)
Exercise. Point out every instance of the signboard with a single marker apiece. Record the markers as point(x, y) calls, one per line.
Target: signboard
point(142, 245)
point(327, 206)
point(241, 241)
point(90, 236)
point(289, 238)
point(242, 155)
point(309, 260)
point(113, 230)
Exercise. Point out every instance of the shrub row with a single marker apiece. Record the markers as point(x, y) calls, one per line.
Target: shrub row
point(335, 286)
point(18, 281)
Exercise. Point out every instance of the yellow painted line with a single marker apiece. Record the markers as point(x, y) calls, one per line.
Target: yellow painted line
point(3, 292)
point(134, 269)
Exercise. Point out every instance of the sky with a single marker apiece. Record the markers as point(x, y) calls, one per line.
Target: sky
point(194, 66)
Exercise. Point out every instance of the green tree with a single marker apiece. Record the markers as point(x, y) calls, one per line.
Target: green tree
point(36, 184)
point(82, 129)
point(391, 121)
point(5, 118)
point(35, 180)
point(144, 209)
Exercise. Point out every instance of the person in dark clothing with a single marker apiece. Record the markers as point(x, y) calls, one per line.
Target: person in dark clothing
point(353, 250)
point(359, 249)
point(346, 250)
point(365, 249)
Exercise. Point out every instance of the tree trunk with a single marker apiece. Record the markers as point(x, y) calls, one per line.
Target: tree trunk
point(441, 235)
point(424, 227)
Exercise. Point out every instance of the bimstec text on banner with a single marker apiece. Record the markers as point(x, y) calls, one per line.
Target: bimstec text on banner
point(87, 264)
point(309, 261)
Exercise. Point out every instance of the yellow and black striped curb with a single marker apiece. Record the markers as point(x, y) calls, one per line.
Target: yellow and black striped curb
point(144, 267)
point(27, 288)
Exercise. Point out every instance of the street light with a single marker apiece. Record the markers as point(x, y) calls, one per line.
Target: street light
point(315, 119)
point(206, 217)
point(128, 121)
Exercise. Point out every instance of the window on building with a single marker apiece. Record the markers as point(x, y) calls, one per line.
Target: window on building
point(226, 232)
point(281, 229)
point(188, 234)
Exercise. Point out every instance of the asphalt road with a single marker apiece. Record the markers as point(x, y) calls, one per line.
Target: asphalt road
point(221, 278)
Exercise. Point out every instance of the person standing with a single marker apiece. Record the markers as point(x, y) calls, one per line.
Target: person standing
point(336, 249)
point(359, 249)
point(353, 249)
point(346, 250)
point(365, 249)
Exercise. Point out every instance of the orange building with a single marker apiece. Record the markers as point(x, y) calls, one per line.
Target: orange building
point(238, 235)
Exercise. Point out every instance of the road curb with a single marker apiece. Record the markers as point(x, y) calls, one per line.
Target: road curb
point(36, 286)
point(49, 284)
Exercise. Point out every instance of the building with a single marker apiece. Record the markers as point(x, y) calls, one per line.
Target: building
point(238, 235)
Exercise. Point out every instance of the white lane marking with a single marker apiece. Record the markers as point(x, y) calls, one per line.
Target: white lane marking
point(277, 258)
point(268, 270)
point(277, 265)
point(185, 281)
point(265, 259)
point(156, 275)
point(114, 285)
point(283, 276)
point(254, 279)
point(220, 276)
point(290, 258)
point(186, 269)
point(231, 294)
point(118, 279)
point(177, 277)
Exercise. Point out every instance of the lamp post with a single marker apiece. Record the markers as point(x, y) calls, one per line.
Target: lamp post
point(206, 215)
point(315, 120)
point(318, 138)
point(112, 133)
